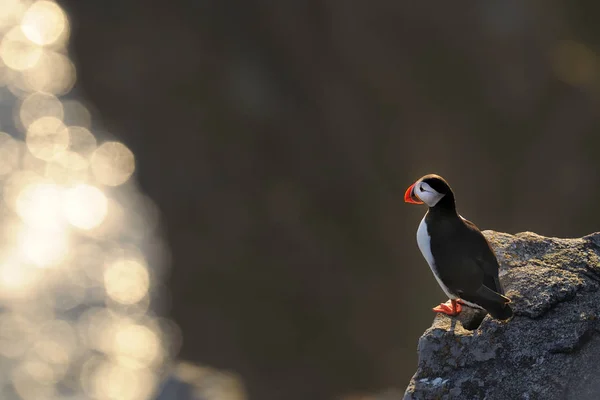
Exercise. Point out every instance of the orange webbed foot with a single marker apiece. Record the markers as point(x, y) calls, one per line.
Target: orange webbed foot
point(451, 307)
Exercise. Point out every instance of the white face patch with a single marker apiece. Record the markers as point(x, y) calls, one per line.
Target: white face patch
point(427, 194)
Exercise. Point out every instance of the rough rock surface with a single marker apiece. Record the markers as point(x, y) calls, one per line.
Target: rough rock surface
point(549, 350)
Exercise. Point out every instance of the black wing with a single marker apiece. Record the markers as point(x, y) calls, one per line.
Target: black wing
point(486, 259)
point(490, 295)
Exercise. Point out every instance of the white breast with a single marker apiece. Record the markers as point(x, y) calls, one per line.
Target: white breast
point(424, 242)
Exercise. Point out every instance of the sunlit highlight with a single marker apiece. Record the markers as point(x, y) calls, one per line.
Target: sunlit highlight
point(75, 274)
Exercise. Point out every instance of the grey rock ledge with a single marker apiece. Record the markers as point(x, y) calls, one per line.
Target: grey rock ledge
point(549, 350)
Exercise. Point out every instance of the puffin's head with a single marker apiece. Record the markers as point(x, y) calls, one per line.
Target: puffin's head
point(429, 189)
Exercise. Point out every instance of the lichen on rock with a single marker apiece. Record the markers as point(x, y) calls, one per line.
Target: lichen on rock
point(549, 350)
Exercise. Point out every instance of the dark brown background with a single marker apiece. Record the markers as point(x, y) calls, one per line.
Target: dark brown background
point(277, 138)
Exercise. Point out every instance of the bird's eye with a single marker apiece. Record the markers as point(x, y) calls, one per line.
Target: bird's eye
point(422, 188)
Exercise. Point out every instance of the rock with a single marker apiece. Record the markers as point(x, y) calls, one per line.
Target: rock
point(549, 350)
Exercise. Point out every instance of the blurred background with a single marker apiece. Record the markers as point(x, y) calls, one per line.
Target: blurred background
point(222, 181)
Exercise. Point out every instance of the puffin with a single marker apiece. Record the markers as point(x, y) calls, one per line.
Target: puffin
point(458, 254)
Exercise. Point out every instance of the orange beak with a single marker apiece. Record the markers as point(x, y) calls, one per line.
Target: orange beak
point(410, 196)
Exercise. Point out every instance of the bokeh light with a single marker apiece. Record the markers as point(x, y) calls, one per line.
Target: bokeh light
point(82, 140)
point(127, 281)
point(17, 52)
point(15, 183)
point(43, 248)
point(136, 346)
point(112, 163)
point(44, 23)
point(109, 381)
point(39, 205)
point(67, 168)
point(75, 283)
point(38, 105)
point(11, 13)
point(57, 344)
point(53, 72)
point(16, 278)
point(85, 206)
point(47, 137)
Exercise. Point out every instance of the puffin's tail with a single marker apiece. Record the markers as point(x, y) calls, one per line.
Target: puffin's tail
point(494, 303)
point(503, 312)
